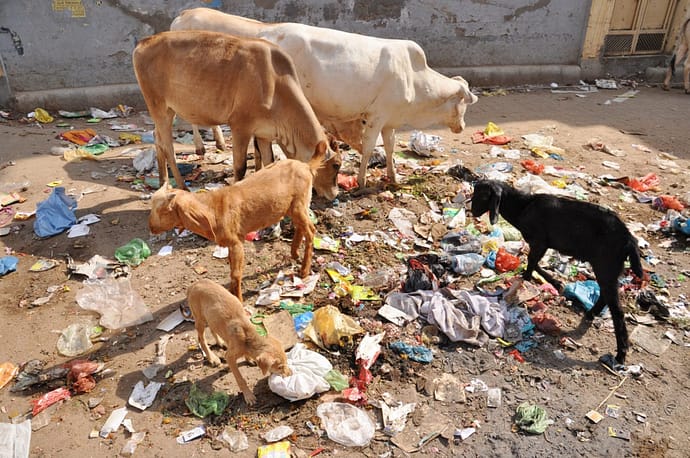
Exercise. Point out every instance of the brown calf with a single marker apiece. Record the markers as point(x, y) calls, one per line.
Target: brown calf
point(227, 214)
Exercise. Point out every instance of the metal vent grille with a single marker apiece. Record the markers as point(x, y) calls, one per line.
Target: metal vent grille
point(617, 44)
point(650, 42)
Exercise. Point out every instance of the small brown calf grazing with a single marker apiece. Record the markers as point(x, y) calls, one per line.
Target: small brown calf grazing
point(213, 305)
point(680, 54)
point(227, 214)
point(211, 78)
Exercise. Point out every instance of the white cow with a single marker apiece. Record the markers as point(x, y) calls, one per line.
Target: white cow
point(358, 86)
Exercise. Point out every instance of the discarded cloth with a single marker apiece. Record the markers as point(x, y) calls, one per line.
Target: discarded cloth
point(462, 316)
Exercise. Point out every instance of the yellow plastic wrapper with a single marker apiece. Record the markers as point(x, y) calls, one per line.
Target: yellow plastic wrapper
point(559, 183)
point(275, 450)
point(42, 116)
point(77, 154)
point(492, 130)
point(332, 330)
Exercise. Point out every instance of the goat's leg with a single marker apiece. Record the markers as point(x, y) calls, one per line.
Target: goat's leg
point(231, 358)
point(536, 252)
point(609, 291)
point(240, 144)
point(218, 137)
point(304, 230)
point(236, 260)
point(549, 278)
point(199, 147)
point(388, 135)
point(200, 325)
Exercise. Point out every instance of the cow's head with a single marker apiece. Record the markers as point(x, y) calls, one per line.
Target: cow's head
point(460, 100)
point(326, 179)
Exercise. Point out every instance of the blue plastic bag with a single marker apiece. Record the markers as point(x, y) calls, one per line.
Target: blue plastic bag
point(585, 292)
point(8, 264)
point(55, 214)
point(418, 353)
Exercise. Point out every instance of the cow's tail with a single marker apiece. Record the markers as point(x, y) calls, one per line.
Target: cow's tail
point(634, 257)
point(672, 64)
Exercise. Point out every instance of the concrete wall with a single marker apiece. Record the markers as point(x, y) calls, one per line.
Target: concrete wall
point(69, 44)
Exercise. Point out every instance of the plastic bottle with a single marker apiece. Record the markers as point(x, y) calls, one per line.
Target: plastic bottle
point(467, 264)
point(133, 253)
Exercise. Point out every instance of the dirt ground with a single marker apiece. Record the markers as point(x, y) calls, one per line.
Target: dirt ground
point(654, 408)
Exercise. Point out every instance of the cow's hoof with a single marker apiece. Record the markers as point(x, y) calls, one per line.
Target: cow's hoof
point(665, 87)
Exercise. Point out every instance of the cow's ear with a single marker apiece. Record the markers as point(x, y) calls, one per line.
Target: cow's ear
point(322, 151)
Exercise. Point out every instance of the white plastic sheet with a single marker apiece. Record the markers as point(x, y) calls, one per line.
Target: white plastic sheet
point(308, 375)
point(346, 424)
point(119, 305)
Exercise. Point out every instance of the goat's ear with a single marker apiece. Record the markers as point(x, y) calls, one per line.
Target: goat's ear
point(494, 202)
point(170, 198)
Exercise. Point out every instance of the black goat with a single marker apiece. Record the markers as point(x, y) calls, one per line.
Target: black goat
point(582, 230)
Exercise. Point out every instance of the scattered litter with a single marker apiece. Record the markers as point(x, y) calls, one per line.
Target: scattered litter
point(48, 399)
point(8, 371)
point(425, 144)
point(309, 370)
point(170, 322)
point(418, 353)
point(619, 433)
point(330, 329)
point(133, 253)
point(275, 450)
point(532, 418)
point(650, 339)
point(236, 440)
point(192, 434)
point(464, 433)
point(75, 339)
point(143, 396)
point(202, 404)
point(55, 214)
point(346, 424)
point(493, 398)
point(131, 445)
point(8, 264)
point(119, 305)
point(605, 84)
point(278, 433)
point(15, 439)
point(98, 267)
point(394, 415)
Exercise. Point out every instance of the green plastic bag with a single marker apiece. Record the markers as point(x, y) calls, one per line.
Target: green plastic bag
point(532, 418)
point(337, 380)
point(133, 253)
point(202, 404)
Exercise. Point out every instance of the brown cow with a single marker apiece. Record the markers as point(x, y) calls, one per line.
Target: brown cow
point(211, 78)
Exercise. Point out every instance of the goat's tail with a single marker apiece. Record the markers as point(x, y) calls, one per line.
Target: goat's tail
point(634, 256)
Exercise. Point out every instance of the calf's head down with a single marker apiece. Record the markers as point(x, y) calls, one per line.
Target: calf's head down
point(328, 162)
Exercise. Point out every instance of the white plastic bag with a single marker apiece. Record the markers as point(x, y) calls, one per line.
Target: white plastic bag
point(346, 424)
point(308, 371)
point(118, 303)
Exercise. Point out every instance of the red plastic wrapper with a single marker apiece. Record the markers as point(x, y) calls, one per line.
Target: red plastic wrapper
point(516, 354)
point(535, 168)
point(667, 202)
point(347, 182)
point(506, 262)
point(647, 182)
point(48, 399)
point(547, 323)
point(79, 375)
